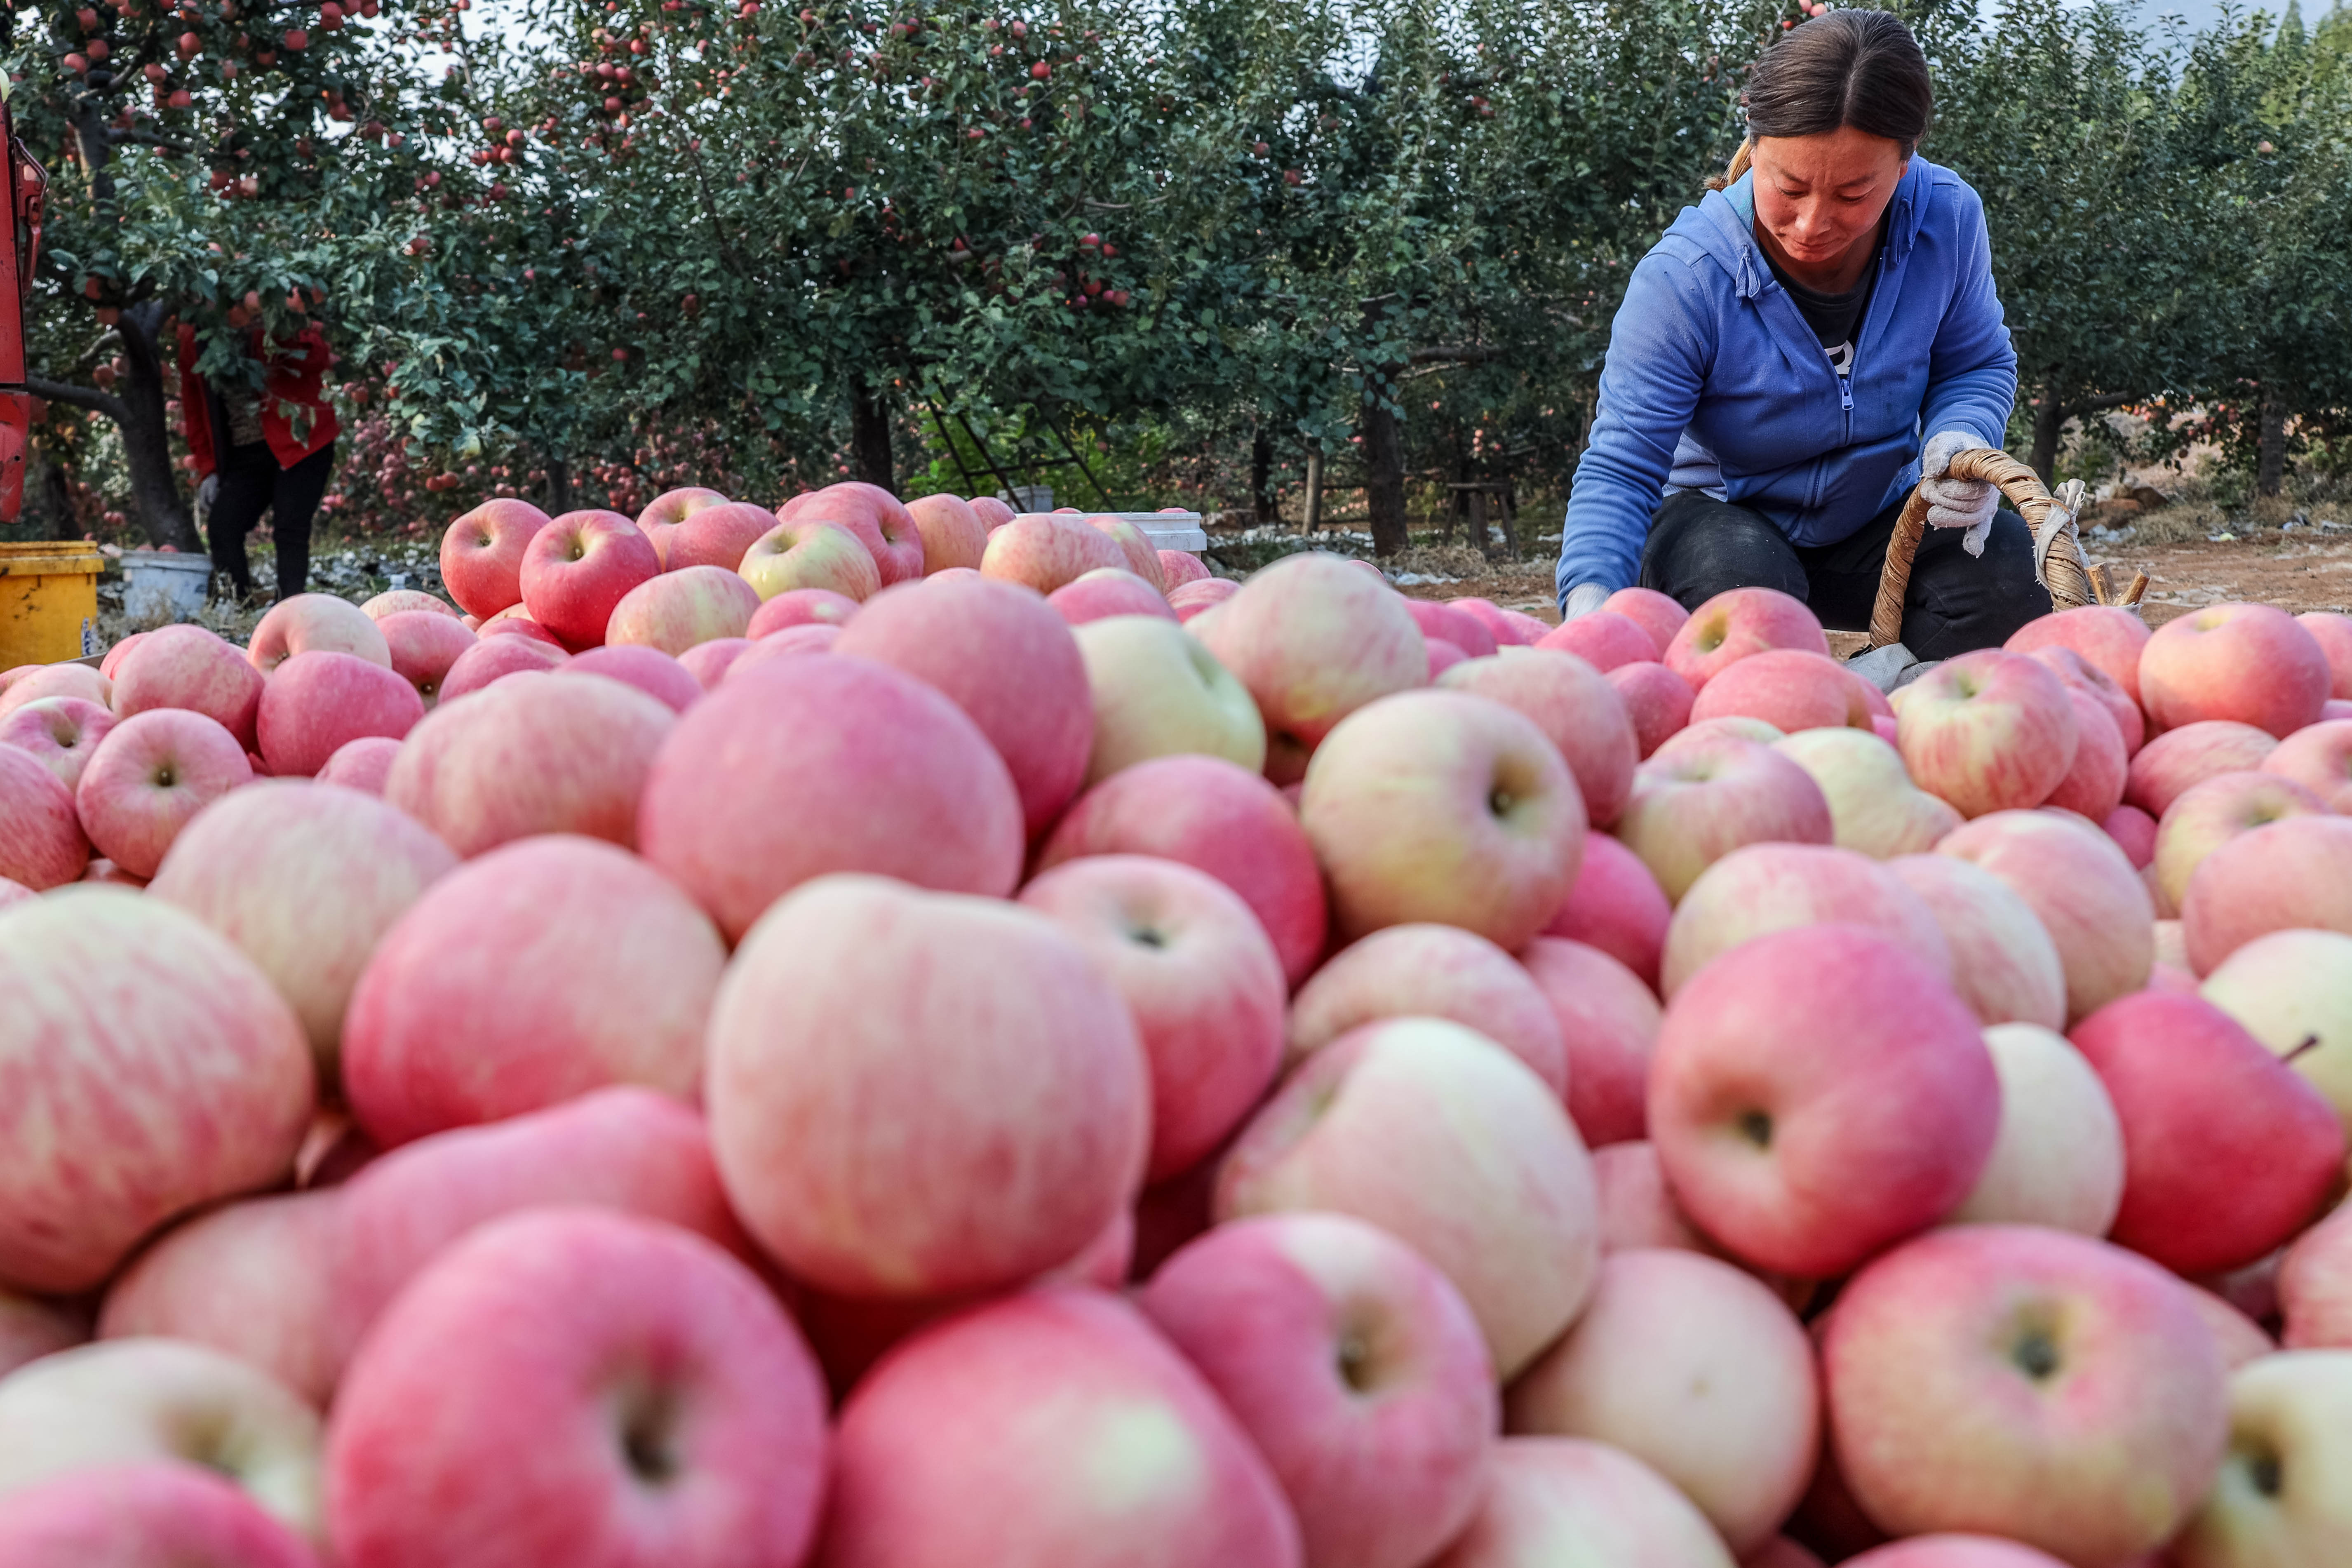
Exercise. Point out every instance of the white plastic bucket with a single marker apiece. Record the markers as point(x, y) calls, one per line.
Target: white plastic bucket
point(164, 584)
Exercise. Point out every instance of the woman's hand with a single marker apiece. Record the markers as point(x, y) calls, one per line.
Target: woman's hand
point(1957, 503)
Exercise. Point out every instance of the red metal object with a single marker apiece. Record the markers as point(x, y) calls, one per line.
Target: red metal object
point(27, 189)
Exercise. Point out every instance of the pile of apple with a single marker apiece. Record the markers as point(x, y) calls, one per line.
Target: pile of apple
point(895, 1035)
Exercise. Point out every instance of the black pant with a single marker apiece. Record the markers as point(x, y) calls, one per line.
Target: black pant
point(1700, 547)
point(251, 483)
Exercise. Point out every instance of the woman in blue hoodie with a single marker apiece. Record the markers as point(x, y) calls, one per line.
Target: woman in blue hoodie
point(1797, 353)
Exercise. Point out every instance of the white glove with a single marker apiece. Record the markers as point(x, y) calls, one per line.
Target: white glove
point(1957, 503)
point(1583, 600)
point(208, 490)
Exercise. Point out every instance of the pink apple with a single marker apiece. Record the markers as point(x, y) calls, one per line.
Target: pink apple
point(982, 1442)
point(150, 774)
point(715, 536)
point(1637, 1206)
point(1818, 1094)
point(2025, 1382)
point(1007, 661)
point(425, 644)
point(107, 667)
point(38, 681)
point(1509, 628)
point(2133, 832)
point(1732, 626)
point(1697, 1369)
point(1198, 598)
point(2239, 1338)
point(2207, 816)
point(1577, 710)
point(305, 879)
point(1728, 727)
point(2090, 901)
point(994, 512)
point(785, 644)
point(1655, 612)
point(681, 608)
point(492, 659)
point(2315, 1285)
point(515, 621)
point(1200, 977)
point(2106, 637)
point(1178, 567)
point(152, 1085)
point(1443, 656)
point(1765, 888)
point(876, 516)
point(158, 1512)
point(1446, 623)
point(2058, 1159)
point(481, 554)
point(577, 568)
point(41, 841)
point(1603, 639)
point(1045, 552)
point(1707, 797)
point(1874, 810)
point(1790, 688)
point(1988, 731)
point(1781, 1553)
point(61, 732)
point(2094, 784)
point(567, 963)
point(1142, 559)
point(2197, 1094)
point(951, 533)
point(1439, 806)
point(1034, 1127)
point(671, 1411)
point(2292, 874)
point(2319, 758)
point(2005, 966)
point(1555, 1500)
point(2333, 633)
point(1215, 818)
point(812, 552)
point(1355, 1368)
point(645, 670)
point(317, 701)
point(2081, 674)
point(188, 666)
point(2247, 664)
point(1453, 1146)
point(672, 508)
point(1609, 1026)
point(1616, 906)
point(315, 623)
point(1430, 972)
point(531, 757)
point(1108, 591)
point(709, 662)
point(800, 607)
point(408, 601)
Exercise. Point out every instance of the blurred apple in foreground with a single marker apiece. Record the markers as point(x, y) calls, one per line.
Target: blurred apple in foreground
point(1559, 1499)
point(1430, 972)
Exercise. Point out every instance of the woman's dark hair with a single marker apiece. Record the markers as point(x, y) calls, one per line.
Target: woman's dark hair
point(1861, 68)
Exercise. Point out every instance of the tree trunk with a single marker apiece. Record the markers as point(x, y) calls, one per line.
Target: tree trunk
point(1384, 475)
point(1314, 489)
point(1263, 507)
point(559, 485)
point(147, 434)
point(2049, 424)
point(869, 434)
point(2270, 467)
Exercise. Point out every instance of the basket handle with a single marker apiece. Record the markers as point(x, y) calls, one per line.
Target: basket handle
point(2051, 518)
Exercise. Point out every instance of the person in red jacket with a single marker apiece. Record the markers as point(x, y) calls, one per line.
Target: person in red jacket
point(269, 451)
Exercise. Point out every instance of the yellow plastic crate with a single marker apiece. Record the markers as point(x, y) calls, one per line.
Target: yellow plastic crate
point(48, 601)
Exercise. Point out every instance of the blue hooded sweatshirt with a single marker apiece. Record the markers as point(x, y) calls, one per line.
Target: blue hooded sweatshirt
point(1714, 381)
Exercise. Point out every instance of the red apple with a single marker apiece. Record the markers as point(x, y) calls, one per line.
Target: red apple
point(1732, 626)
point(425, 644)
point(62, 733)
point(188, 666)
point(2133, 832)
point(156, 1512)
point(683, 606)
point(1356, 1369)
point(1603, 639)
point(1766, 888)
point(305, 879)
point(1447, 622)
point(406, 601)
point(1657, 701)
point(1509, 628)
point(481, 554)
point(874, 515)
point(709, 662)
point(34, 682)
point(812, 552)
point(2029, 1383)
point(1430, 972)
point(150, 774)
point(1615, 905)
point(2181, 759)
point(2094, 784)
point(800, 607)
point(645, 670)
point(1439, 806)
point(2246, 664)
point(1557, 1499)
point(1198, 598)
point(2197, 1094)
point(2081, 674)
point(951, 533)
point(2314, 1286)
point(1790, 688)
point(2203, 818)
point(145, 1087)
point(315, 623)
point(577, 568)
point(1577, 710)
point(318, 701)
point(1818, 1094)
point(567, 964)
point(671, 507)
point(108, 666)
point(1451, 1144)
point(1215, 818)
point(515, 621)
point(2292, 874)
point(1988, 731)
point(1142, 559)
point(2005, 966)
point(1108, 591)
point(1705, 797)
point(2332, 632)
point(994, 512)
point(716, 536)
point(2318, 757)
point(1656, 613)
point(2091, 902)
point(2105, 636)
point(41, 840)
point(1609, 1025)
point(1697, 1369)
point(1200, 977)
point(1637, 1207)
point(1047, 551)
point(493, 658)
point(671, 1412)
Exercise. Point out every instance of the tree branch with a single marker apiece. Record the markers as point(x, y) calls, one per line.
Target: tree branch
point(74, 396)
point(2101, 405)
point(1455, 354)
